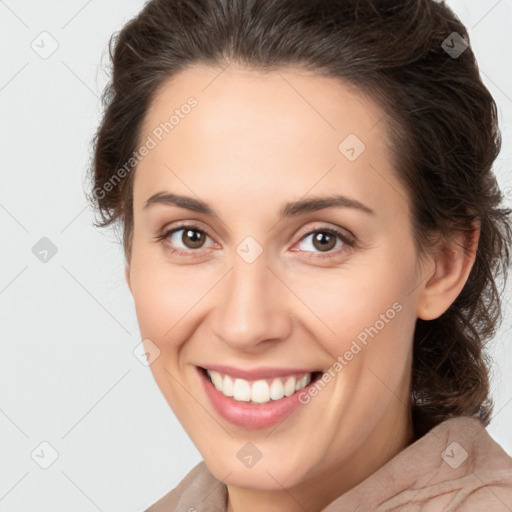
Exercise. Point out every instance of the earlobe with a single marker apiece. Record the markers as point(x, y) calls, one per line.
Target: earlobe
point(453, 264)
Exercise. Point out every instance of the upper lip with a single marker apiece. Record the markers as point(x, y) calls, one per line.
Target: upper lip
point(257, 373)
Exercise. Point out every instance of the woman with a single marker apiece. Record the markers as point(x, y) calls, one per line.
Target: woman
point(312, 234)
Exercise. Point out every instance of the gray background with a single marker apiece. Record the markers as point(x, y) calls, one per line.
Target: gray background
point(68, 375)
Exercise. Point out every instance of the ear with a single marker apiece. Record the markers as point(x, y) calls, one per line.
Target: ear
point(127, 276)
point(452, 267)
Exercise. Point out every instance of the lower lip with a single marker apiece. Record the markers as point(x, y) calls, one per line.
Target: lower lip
point(244, 414)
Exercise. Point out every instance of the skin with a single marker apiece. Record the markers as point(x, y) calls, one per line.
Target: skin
point(254, 142)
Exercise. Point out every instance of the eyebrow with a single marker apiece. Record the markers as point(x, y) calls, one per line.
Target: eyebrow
point(290, 209)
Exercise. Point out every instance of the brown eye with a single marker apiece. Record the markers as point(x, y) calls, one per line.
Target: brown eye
point(329, 241)
point(192, 238)
point(185, 239)
point(324, 241)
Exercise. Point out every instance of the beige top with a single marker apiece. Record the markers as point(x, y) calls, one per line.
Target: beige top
point(433, 474)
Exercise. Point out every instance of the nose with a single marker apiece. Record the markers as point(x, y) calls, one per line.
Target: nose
point(252, 306)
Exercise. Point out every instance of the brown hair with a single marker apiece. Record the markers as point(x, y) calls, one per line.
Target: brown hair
point(441, 118)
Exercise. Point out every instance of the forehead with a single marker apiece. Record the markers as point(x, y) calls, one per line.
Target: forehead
point(239, 95)
point(290, 129)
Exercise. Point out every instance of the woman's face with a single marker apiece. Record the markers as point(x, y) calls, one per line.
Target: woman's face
point(259, 285)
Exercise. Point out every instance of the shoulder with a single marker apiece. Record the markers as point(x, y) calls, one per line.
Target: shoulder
point(199, 491)
point(462, 467)
point(487, 479)
point(456, 466)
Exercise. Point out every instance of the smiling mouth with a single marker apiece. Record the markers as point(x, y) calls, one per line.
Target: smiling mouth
point(261, 391)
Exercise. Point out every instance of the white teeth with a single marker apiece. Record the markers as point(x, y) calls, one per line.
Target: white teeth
point(259, 391)
point(217, 380)
point(276, 389)
point(289, 386)
point(305, 381)
point(228, 388)
point(242, 390)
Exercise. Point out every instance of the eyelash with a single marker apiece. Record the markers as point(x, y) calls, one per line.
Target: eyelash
point(348, 241)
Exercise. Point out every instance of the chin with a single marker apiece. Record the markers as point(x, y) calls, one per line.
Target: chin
point(272, 476)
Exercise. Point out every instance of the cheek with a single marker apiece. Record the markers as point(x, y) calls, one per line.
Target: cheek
point(344, 303)
point(364, 316)
point(164, 296)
